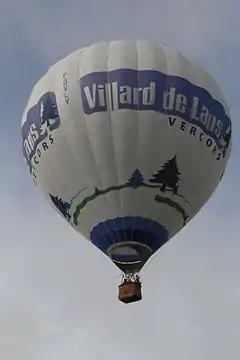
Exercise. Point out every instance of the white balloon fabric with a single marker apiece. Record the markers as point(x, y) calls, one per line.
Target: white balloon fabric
point(128, 140)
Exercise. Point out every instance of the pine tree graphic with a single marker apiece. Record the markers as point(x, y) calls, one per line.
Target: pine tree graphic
point(48, 113)
point(168, 176)
point(225, 139)
point(97, 191)
point(49, 109)
point(61, 205)
point(136, 179)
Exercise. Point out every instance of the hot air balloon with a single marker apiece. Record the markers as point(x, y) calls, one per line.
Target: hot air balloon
point(128, 140)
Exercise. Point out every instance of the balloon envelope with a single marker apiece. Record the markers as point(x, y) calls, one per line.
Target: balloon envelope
point(128, 140)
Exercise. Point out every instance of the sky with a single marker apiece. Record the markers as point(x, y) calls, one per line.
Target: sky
point(57, 293)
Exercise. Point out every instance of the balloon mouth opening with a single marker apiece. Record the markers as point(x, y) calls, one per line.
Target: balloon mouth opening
point(129, 253)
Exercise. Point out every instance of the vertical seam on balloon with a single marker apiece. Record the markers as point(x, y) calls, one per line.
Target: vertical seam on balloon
point(70, 111)
point(147, 211)
point(84, 116)
point(89, 140)
point(55, 165)
point(120, 203)
point(137, 134)
point(97, 169)
point(98, 172)
point(192, 187)
point(112, 133)
point(67, 142)
point(168, 71)
point(86, 126)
